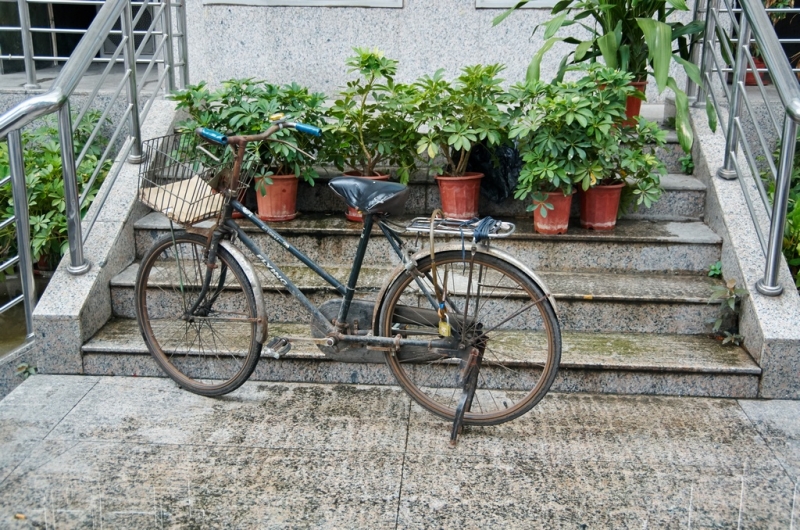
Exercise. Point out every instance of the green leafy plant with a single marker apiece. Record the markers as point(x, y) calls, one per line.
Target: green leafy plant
point(458, 115)
point(635, 36)
point(687, 164)
point(45, 186)
point(25, 370)
point(730, 299)
point(370, 121)
point(715, 270)
point(248, 106)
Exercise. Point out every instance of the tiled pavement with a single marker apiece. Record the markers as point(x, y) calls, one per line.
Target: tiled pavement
point(114, 452)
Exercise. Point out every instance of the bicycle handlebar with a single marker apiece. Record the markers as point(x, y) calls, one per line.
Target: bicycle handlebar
point(212, 136)
point(222, 139)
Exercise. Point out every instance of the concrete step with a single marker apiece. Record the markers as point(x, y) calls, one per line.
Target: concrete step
point(605, 302)
point(623, 363)
point(634, 245)
point(683, 200)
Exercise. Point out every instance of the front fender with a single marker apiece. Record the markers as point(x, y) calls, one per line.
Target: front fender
point(252, 277)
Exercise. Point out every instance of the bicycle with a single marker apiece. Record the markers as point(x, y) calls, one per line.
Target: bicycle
point(469, 332)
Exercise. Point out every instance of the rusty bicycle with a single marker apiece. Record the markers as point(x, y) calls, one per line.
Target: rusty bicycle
point(469, 332)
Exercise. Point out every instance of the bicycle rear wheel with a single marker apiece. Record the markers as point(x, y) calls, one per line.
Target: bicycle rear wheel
point(205, 341)
point(508, 318)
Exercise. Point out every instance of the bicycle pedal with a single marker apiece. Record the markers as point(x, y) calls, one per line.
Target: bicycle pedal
point(276, 347)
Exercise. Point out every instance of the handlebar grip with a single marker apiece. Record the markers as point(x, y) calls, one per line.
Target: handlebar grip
point(212, 136)
point(308, 129)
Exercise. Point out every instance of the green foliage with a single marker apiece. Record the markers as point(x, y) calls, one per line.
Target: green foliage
point(457, 115)
point(715, 270)
point(245, 106)
point(791, 234)
point(632, 35)
point(45, 186)
point(371, 122)
point(573, 134)
point(24, 370)
point(687, 164)
point(730, 297)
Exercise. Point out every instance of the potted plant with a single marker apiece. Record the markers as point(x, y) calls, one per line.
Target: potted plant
point(562, 130)
point(632, 35)
point(246, 106)
point(457, 116)
point(370, 122)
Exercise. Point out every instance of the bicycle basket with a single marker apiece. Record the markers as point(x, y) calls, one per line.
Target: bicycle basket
point(181, 182)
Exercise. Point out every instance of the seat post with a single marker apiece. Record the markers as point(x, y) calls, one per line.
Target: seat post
point(361, 251)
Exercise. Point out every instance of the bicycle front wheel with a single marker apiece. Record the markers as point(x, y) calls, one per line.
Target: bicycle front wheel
point(203, 338)
point(492, 307)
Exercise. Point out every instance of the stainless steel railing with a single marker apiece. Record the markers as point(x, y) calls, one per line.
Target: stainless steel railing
point(125, 138)
point(760, 119)
point(152, 18)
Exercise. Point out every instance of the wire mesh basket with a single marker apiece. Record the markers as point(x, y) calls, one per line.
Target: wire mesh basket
point(182, 182)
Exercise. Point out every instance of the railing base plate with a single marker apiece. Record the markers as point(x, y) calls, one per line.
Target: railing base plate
point(81, 269)
point(767, 290)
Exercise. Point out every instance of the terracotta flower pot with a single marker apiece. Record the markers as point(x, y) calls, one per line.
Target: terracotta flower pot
point(280, 202)
point(599, 206)
point(633, 105)
point(557, 219)
point(460, 195)
point(750, 75)
point(353, 214)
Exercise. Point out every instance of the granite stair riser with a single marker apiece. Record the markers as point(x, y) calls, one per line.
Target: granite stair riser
point(567, 380)
point(675, 204)
point(537, 253)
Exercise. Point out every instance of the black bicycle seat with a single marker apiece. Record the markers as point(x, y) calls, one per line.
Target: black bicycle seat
point(371, 196)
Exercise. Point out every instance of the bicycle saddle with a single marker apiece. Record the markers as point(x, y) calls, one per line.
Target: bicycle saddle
point(371, 196)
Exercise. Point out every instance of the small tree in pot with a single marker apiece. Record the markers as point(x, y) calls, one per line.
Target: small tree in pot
point(456, 117)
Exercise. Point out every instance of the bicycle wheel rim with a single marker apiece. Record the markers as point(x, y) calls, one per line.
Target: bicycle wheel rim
point(521, 355)
point(215, 351)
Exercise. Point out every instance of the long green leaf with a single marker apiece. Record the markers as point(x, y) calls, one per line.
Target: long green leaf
point(581, 49)
point(691, 69)
point(658, 37)
point(532, 74)
point(608, 47)
point(553, 25)
point(711, 112)
point(682, 125)
point(678, 4)
point(499, 18)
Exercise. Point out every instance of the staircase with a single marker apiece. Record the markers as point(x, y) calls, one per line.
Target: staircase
point(633, 302)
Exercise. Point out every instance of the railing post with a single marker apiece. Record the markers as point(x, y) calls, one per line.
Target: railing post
point(19, 191)
point(709, 34)
point(769, 284)
point(170, 58)
point(129, 59)
point(182, 44)
point(27, 44)
point(78, 264)
point(691, 86)
point(732, 138)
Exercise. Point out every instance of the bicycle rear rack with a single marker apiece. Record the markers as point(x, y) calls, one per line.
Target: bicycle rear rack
point(455, 227)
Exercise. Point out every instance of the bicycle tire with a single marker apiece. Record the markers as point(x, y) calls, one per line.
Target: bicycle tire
point(521, 353)
point(216, 350)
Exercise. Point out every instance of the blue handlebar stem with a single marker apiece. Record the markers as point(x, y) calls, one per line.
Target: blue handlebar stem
point(212, 136)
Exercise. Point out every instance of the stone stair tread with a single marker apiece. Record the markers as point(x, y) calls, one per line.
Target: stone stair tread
point(581, 351)
point(681, 182)
point(588, 286)
point(626, 231)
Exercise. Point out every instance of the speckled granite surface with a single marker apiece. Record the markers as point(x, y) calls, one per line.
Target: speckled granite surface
point(79, 452)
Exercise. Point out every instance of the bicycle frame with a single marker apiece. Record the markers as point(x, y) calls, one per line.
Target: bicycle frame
point(334, 333)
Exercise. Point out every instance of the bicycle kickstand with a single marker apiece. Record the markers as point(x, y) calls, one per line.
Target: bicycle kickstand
point(469, 376)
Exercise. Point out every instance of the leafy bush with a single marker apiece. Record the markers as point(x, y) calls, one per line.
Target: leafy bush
point(45, 186)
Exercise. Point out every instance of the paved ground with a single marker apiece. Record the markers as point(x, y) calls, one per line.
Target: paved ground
point(113, 452)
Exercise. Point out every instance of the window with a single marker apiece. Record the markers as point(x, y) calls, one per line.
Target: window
point(505, 4)
point(311, 3)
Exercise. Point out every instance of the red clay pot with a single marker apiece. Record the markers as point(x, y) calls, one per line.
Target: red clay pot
point(557, 219)
point(750, 76)
point(460, 195)
point(353, 214)
point(633, 105)
point(599, 206)
point(280, 202)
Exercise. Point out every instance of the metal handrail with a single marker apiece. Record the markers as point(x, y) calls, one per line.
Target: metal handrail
point(747, 24)
point(56, 101)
